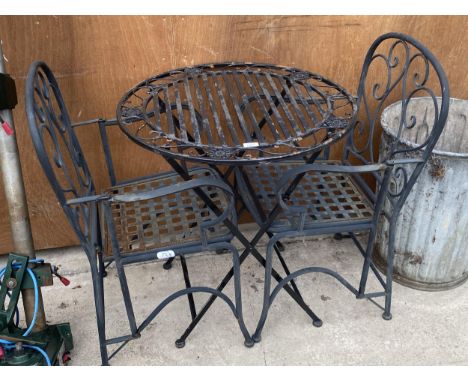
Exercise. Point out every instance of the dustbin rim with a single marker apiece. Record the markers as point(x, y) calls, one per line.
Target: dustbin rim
point(388, 131)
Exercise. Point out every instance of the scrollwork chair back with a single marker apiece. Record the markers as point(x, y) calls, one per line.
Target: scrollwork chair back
point(412, 71)
point(58, 149)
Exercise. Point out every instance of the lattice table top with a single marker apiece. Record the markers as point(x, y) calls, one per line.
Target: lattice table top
point(236, 113)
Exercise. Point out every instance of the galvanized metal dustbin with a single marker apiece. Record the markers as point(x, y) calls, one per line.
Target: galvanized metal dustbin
point(431, 245)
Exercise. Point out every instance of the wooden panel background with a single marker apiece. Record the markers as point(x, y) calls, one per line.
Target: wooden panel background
point(97, 58)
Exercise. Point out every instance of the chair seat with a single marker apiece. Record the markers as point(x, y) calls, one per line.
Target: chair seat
point(332, 199)
point(167, 222)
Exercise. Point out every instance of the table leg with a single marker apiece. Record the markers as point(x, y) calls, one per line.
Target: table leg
point(249, 248)
point(262, 217)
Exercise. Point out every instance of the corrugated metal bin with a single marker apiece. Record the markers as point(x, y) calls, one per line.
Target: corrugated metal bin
point(431, 245)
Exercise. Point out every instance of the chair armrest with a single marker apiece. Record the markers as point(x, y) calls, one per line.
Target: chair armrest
point(107, 122)
point(146, 195)
point(395, 162)
point(172, 189)
point(88, 199)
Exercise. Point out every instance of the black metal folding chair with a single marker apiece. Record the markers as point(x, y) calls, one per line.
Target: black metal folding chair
point(339, 196)
point(158, 217)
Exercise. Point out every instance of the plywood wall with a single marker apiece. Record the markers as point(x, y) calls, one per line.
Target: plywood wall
point(97, 58)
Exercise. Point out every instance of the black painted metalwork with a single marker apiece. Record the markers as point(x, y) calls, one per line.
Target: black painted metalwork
point(235, 113)
point(230, 115)
point(249, 248)
point(336, 197)
point(137, 220)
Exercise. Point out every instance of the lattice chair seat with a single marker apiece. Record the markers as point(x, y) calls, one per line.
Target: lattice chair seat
point(330, 198)
point(171, 221)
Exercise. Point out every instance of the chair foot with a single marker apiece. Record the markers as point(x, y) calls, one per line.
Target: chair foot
point(179, 344)
point(386, 316)
point(221, 251)
point(104, 274)
point(340, 236)
point(249, 343)
point(317, 323)
point(167, 266)
point(280, 246)
point(257, 338)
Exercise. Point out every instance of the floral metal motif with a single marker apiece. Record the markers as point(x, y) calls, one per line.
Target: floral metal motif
point(300, 76)
point(132, 112)
point(336, 123)
point(192, 70)
point(398, 181)
point(222, 153)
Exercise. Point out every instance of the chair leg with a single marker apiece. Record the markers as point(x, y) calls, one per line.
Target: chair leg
point(280, 246)
point(120, 271)
point(98, 290)
point(389, 271)
point(126, 296)
point(188, 285)
point(248, 341)
point(341, 236)
point(317, 322)
point(168, 264)
point(257, 336)
point(286, 270)
point(367, 261)
point(388, 284)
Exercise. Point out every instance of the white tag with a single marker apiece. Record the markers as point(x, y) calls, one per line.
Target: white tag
point(165, 254)
point(250, 144)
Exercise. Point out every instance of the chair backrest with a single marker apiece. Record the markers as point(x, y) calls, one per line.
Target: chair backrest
point(57, 146)
point(398, 68)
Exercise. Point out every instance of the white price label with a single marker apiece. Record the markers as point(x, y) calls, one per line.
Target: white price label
point(165, 254)
point(250, 144)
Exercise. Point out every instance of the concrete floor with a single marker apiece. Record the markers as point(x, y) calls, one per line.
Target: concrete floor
point(428, 328)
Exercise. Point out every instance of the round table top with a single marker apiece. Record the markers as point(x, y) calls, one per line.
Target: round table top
point(236, 113)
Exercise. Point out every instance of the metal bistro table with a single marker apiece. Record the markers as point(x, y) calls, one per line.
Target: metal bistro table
point(230, 115)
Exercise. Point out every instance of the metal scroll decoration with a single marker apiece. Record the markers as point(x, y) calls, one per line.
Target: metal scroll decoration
point(56, 144)
point(398, 181)
point(399, 69)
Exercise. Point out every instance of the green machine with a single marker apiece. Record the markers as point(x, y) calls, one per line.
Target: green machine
point(25, 347)
point(24, 275)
